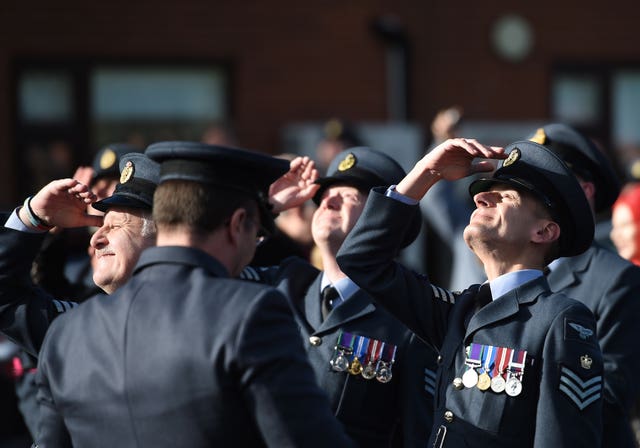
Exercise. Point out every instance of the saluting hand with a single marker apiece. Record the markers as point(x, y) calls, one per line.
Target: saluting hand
point(63, 203)
point(453, 159)
point(294, 187)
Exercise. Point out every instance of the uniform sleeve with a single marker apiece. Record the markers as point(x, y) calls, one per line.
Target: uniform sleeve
point(277, 381)
point(569, 409)
point(25, 310)
point(367, 257)
point(52, 432)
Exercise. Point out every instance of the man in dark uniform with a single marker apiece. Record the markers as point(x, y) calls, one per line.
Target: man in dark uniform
point(26, 309)
point(605, 282)
point(184, 355)
point(520, 366)
point(383, 390)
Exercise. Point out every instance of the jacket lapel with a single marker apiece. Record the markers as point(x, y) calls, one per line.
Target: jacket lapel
point(354, 308)
point(507, 305)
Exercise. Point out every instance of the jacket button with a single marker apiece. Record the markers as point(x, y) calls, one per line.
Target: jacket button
point(439, 360)
point(315, 340)
point(457, 383)
point(448, 416)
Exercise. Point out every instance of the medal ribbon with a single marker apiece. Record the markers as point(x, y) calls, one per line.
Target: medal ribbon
point(362, 343)
point(373, 351)
point(503, 356)
point(345, 341)
point(389, 353)
point(516, 366)
point(488, 357)
point(473, 360)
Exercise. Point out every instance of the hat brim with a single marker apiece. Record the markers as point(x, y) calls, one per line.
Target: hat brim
point(119, 200)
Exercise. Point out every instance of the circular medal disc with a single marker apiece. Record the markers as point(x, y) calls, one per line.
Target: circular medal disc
point(356, 367)
point(384, 375)
point(498, 384)
point(369, 372)
point(340, 364)
point(470, 378)
point(513, 387)
point(484, 381)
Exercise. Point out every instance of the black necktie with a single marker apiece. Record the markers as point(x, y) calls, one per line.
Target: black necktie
point(483, 297)
point(329, 294)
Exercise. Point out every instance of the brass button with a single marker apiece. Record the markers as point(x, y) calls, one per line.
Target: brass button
point(448, 416)
point(315, 340)
point(439, 360)
point(457, 383)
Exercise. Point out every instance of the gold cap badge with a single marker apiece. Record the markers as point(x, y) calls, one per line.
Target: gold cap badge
point(347, 163)
point(513, 157)
point(108, 159)
point(127, 172)
point(540, 137)
point(586, 361)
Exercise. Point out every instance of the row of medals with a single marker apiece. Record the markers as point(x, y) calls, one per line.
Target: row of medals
point(512, 386)
point(378, 369)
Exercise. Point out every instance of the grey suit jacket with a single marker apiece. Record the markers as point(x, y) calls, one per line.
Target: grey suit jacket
point(610, 287)
point(181, 356)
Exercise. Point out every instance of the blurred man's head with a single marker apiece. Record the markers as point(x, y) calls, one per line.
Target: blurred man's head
point(210, 191)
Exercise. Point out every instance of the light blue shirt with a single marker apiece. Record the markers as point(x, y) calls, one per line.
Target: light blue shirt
point(511, 280)
point(14, 222)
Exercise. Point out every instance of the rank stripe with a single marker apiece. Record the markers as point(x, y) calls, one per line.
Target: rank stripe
point(249, 273)
point(580, 403)
point(582, 393)
point(443, 294)
point(63, 306)
point(429, 381)
point(577, 380)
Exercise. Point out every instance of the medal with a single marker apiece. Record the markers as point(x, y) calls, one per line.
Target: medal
point(470, 376)
point(371, 359)
point(361, 346)
point(387, 359)
point(498, 383)
point(342, 351)
point(488, 356)
point(513, 387)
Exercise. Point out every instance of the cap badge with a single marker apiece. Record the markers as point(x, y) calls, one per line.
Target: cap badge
point(347, 163)
point(108, 159)
point(127, 172)
point(539, 137)
point(586, 361)
point(513, 157)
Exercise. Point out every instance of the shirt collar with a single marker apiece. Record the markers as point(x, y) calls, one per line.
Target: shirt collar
point(345, 287)
point(511, 280)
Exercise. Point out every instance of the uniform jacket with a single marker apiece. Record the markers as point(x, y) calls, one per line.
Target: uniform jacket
point(398, 413)
point(610, 287)
point(560, 403)
point(181, 356)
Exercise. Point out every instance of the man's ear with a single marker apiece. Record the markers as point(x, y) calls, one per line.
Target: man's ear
point(237, 223)
point(546, 232)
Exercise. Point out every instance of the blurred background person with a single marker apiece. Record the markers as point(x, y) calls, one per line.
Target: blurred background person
point(625, 223)
point(338, 135)
point(446, 209)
